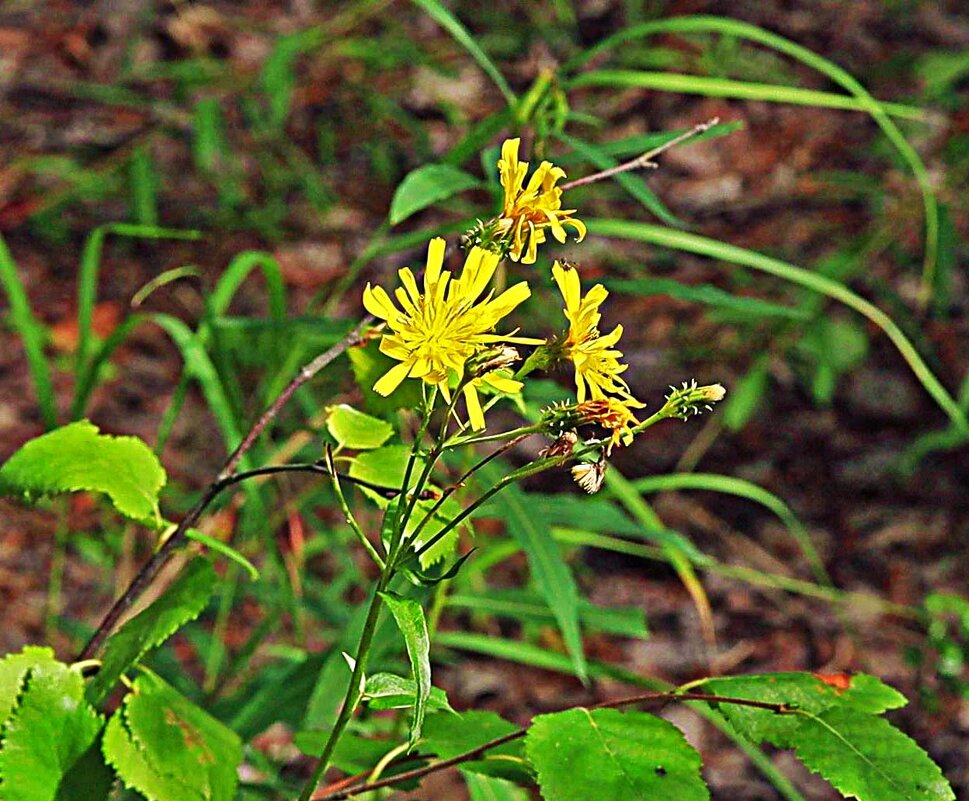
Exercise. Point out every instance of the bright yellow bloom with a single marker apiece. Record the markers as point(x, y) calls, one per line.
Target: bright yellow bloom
point(434, 333)
point(529, 210)
point(597, 367)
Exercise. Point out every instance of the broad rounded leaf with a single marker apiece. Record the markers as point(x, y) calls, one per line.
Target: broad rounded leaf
point(425, 186)
point(353, 429)
point(609, 755)
point(50, 743)
point(77, 457)
point(183, 601)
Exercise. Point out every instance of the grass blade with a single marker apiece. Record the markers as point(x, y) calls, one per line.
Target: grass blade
point(443, 17)
point(736, 90)
point(744, 30)
point(703, 246)
point(32, 333)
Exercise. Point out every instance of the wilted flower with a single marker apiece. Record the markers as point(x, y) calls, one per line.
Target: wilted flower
point(611, 414)
point(597, 367)
point(527, 211)
point(590, 475)
point(435, 332)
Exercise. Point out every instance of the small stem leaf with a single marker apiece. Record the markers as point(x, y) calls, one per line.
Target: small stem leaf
point(356, 430)
point(426, 186)
point(50, 743)
point(410, 620)
point(227, 551)
point(77, 457)
point(865, 757)
point(183, 601)
point(389, 691)
point(612, 756)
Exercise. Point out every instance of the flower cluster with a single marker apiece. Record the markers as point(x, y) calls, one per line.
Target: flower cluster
point(443, 331)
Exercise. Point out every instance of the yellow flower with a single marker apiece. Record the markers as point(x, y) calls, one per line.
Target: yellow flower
point(528, 210)
point(436, 331)
point(597, 367)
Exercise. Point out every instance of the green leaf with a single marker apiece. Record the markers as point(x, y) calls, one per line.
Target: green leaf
point(612, 756)
point(491, 788)
point(353, 429)
point(77, 457)
point(13, 671)
point(183, 601)
point(368, 365)
point(50, 743)
point(450, 735)
point(806, 692)
point(132, 766)
point(389, 691)
point(182, 740)
point(227, 551)
point(551, 574)
point(384, 467)
point(864, 757)
point(426, 186)
point(410, 620)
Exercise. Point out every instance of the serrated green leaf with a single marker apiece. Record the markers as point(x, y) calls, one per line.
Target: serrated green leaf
point(449, 735)
point(13, 671)
point(612, 756)
point(132, 766)
point(864, 757)
point(77, 457)
point(410, 620)
point(491, 788)
point(353, 429)
point(805, 692)
point(389, 691)
point(426, 186)
point(182, 740)
point(50, 743)
point(183, 601)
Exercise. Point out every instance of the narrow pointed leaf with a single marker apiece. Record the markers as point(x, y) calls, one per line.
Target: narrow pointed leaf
point(410, 620)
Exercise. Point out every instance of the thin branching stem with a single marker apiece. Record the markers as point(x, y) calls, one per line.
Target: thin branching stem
point(475, 753)
point(144, 577)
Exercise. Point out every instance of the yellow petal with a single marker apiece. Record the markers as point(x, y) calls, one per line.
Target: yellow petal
point(435, 260)
point(475, 415)
point(378, 303)
point(502, 383)
point(391, 379)
point(568, 283)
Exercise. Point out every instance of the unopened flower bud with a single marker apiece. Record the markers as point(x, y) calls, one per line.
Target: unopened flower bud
point(691, 399)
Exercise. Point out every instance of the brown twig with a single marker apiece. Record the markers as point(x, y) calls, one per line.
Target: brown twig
point(645, 160)
point(331, 794)
point(150, 569)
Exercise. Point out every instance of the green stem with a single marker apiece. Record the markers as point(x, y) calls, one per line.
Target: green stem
point(352, 694)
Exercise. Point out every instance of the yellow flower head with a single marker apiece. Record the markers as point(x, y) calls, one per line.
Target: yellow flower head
point(613, 415)
point(529, 210)
point(597, 367)
point(436, 331)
